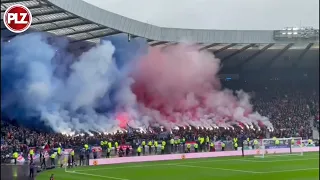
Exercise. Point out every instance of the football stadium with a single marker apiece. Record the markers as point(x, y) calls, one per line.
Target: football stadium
point(91, 93)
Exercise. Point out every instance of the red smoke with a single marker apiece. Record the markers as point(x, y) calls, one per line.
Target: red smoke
point(178, 86)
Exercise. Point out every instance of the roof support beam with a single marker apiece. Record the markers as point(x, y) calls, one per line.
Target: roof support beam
point(237, 52)
point(158, 43)
point(208, 46)
point(82, 31)
point(224, 48)
point(241, 65)
point(12, 1)
point(100, 36)
point(296, 63)
point(67, 26)
point(271, 61)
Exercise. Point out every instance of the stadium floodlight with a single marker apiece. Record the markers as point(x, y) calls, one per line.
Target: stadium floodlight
point(296, 33)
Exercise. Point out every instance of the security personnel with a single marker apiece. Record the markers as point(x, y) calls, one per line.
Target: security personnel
point(223, 145)
point(155, 144)
point(15, 157)
point(292, 142)
point(207, 143)
point(212, 147)
point(163, 143)
point(116, 146)
point(202, 144)
point(183, 141)
point(176, 145)
point(150, 146)
point(162, 149)
point(102, 144)
point(277, 142)
point(309, 141)
point(72, 157)
point(59, 151)
point(171, 144)
point(195, 147)
point(255, 143)
point(188, 147)
point(139, 150)
point(31, 153)
point(235, 140)
point(87, 156)
point(143, 147)
point(86, 147)
point(53, 158)
point(59, 154)
point(108, 152)
point(235, 146)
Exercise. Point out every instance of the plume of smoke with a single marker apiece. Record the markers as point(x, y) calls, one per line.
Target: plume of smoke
point(67, 94)
point(115, 84)
point(178, 86)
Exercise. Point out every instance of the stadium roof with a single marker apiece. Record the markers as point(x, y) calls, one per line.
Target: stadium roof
point(84, 23)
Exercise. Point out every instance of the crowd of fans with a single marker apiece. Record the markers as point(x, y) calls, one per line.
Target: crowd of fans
point(292, 114)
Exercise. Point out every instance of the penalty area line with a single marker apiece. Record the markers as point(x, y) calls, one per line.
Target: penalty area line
point(289, 170)
point(96, 175)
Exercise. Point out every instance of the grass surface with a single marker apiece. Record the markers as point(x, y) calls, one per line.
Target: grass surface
point(293, 167)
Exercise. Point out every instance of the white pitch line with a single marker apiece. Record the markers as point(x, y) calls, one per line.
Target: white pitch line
point(213, 160)
point(289, 170)
point(223, 169)
point(268, 161)
point(96, 175)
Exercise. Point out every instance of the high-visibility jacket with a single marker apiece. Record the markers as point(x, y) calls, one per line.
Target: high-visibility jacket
point(139, 149)
point(15, 155)
point(86, 147)
point(235, 140)
point(201, 140)
point(255, 142)
point(223, 144)
point(116, 144)
point(163, 143)
point(150, 143)
point(101, 143)
point(59, 150)
point(31, 152)
point(195, 146)
point(188, 146)
point(235, 144)
point(207, 139)
point(183, 140)
point(212, 144)
point(162, 147)
point(172, 141)
point(72, 153)
point(53, 156)
point(155, 144)
point(277, 142)
point(143, 143)
point(109, 145)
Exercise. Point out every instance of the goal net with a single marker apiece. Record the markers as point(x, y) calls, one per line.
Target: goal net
point(280, 146)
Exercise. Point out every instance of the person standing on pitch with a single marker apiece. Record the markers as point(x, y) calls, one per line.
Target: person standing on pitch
point(32, 166)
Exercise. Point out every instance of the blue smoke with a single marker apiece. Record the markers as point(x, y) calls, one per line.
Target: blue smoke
point(42, 82)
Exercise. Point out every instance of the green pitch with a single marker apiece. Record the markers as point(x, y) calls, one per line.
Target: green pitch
point(293, 167)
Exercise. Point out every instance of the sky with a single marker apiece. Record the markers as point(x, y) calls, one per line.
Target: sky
point(218, 14)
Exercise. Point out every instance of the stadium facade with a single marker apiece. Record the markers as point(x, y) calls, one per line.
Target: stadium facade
point(84, 24)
